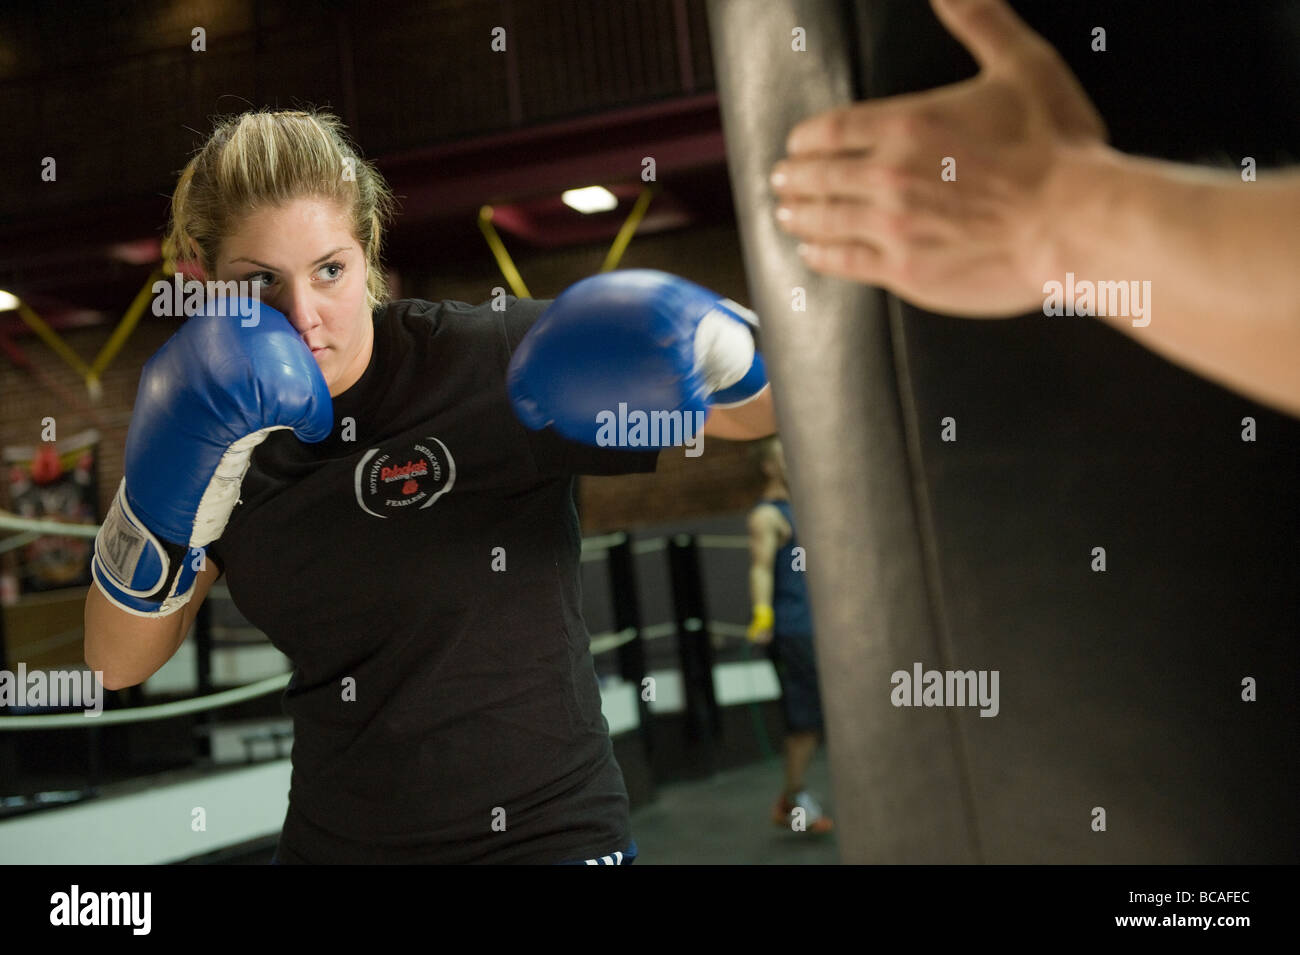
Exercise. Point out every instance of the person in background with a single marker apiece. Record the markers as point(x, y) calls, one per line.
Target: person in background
point(782, 621)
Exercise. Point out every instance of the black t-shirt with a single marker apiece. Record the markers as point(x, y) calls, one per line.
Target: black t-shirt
point(420, 568)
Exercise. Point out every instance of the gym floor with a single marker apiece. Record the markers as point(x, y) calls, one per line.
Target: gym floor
point(726, 820)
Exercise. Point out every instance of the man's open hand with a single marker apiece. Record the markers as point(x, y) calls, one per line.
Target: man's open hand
point(863, 184)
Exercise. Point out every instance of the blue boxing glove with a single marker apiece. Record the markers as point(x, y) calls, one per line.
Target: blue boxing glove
point(634, 343)
point(207, 398)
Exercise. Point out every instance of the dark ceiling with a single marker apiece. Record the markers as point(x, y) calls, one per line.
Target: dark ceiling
point(584, 90)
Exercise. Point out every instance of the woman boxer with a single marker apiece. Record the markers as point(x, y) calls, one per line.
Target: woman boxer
point(357, 470)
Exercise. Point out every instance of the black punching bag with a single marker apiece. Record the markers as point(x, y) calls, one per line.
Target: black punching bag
point(1041, 497)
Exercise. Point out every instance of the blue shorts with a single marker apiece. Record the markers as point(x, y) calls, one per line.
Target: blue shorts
point(796, 666)
point(626, 857)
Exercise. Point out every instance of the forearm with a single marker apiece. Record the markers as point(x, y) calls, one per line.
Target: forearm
point(761, 585)
point(752, 420)
point(1220, 255)
point(125, 648)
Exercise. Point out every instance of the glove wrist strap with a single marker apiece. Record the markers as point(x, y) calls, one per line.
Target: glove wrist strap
point(726, 354)
point(137, 571)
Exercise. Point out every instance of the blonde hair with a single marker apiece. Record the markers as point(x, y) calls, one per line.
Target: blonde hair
point(263, 158)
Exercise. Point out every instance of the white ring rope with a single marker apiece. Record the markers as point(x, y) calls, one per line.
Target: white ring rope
point(18, 540)
point(10, 521)
point(723, 541)
point(140, 714)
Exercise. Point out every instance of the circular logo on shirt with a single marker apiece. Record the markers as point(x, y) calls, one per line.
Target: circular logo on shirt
point(407, 478)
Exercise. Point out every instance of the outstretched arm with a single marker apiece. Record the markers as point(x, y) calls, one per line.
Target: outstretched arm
point(1037, 193)
point(1221, 255)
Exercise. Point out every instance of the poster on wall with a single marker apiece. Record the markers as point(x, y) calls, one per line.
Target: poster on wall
point(55, 481)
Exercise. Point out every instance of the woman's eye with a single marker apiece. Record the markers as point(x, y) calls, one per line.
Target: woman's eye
point(330, 272)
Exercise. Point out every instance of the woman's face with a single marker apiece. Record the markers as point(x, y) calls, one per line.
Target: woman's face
point(311, 268)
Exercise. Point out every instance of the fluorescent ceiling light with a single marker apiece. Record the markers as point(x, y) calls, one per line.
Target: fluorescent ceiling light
point(590, 199)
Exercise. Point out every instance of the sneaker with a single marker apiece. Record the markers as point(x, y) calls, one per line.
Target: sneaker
point(781, 812)
point(814, 820)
